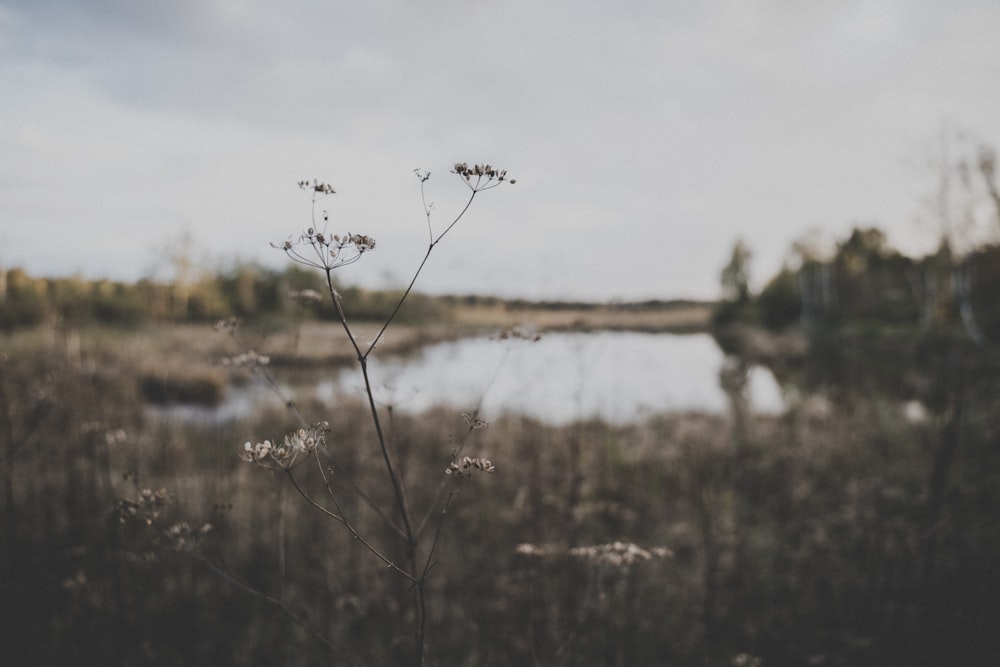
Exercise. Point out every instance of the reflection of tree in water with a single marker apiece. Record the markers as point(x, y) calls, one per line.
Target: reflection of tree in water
point(734, 379)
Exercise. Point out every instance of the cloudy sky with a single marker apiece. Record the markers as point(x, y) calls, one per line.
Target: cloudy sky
point(646, 137)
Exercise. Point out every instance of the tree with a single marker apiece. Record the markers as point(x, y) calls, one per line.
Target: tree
point(735, 277)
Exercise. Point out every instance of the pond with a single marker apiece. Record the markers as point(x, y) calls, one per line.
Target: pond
point(563, 377)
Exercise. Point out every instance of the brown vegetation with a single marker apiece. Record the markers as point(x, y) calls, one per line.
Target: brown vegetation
point(821, 536)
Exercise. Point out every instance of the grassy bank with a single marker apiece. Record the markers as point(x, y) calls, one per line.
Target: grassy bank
point(182, 362)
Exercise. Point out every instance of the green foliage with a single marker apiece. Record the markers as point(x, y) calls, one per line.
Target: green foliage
point(780, 302)
point(377, 306)
point(736, 305)
point(868, 283)
point(119, 304)
point(733, 312)
point(24, 303)
point(872, 281)
point(247, 291)
point(983, 270)
point(735, 277)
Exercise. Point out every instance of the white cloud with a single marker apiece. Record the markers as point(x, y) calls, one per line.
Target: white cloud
point(646, 138)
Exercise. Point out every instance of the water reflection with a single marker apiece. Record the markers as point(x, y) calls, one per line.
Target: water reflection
point(617, 376)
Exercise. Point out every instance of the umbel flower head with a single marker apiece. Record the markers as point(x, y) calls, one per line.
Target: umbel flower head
point(295, 446)
point(481, 176)
point(468, 465)
point(324, 251)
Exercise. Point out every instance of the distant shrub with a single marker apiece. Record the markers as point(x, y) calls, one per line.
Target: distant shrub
point(24, 303)
point(733, 312)
point(120, 305)
point(983, 268)
point(204, 389)
point(780, 302)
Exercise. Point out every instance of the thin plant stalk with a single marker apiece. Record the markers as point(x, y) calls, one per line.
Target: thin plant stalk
point(330, 252)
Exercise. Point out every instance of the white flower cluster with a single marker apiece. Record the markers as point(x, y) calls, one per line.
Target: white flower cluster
point(469, 464)
point(616, 554)
point(305, 296)
point(183, 537)
point(296, 445)
point(619, 553)
point(247, 360)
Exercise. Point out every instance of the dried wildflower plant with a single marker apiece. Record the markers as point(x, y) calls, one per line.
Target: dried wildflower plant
point(320, 249)
point(414, 557)
point(295, 447)
point(148, 506)
point(145, 506)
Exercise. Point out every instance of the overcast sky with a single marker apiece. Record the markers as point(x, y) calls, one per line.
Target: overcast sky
point(646, 137)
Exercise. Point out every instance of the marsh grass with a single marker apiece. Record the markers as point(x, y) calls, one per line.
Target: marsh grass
point(804, 545)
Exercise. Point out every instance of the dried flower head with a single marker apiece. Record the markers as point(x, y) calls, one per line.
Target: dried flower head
point(325, 251)
point(532, 550)
point(316, 187)
point(305, 296)
point(146, 506)
point(468, 465)
point(481, 176)
point(293, 448)
point(249, 359)
point(474, 421)
point(618, 554)
point(116, 436)
point(229, 325)
point(746, 660)
point(183, 537)
point(615, 554)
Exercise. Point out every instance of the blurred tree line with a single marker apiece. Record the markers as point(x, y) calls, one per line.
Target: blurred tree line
point(248, 291)
point(864, 281)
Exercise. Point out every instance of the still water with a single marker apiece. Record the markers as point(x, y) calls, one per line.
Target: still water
point(616, 376)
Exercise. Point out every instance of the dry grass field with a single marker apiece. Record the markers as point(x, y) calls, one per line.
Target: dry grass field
point(842, 532)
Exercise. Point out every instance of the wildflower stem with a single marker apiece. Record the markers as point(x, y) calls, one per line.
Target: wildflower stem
point(444, 482)
point(416, 274)
point(339, 516)
point(247, 588)
point(333, 252)
point(457, 218)
point(428, 564)
point(232, 578)
point(335, 297)
point(364, 496)
point(397, 486)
